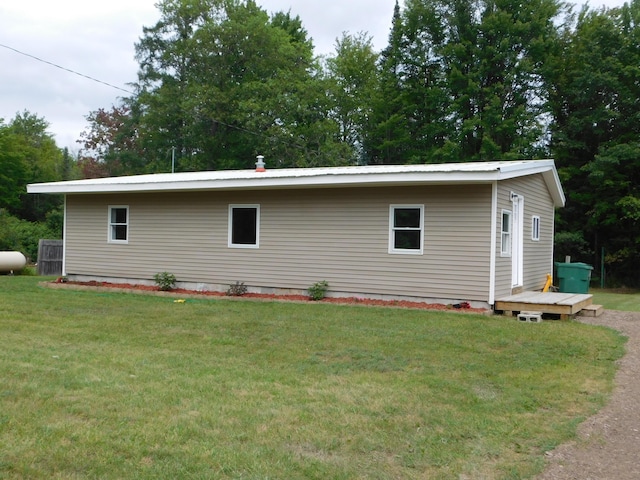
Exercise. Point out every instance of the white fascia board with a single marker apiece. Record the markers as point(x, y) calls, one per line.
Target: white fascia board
point(336, 177)
point(555, 187)
point(264, 183)
point(526, 167)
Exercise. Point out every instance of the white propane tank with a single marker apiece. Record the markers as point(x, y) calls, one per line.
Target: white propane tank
point(10, 261)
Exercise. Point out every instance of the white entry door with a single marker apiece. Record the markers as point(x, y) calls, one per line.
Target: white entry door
point(517, 246)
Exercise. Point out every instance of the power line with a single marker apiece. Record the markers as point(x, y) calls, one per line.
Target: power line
point(66, 69)
point(129, 92)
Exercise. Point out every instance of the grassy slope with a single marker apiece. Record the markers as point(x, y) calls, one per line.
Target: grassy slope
point(105, 385)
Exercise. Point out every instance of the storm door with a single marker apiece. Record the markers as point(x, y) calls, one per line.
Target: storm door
point(517, 247)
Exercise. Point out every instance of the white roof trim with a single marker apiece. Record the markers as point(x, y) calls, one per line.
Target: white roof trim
point(326, 177)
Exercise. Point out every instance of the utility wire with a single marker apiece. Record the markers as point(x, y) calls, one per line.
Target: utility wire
point(126, 91)
point(65, 69)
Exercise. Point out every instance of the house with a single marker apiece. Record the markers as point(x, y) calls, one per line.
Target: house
point(445, 232)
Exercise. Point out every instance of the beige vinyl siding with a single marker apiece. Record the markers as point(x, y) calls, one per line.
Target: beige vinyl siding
point(338, 235)
point(537, 260)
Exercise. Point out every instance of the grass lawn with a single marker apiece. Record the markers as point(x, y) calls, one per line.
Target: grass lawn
point(616, 299)
point(111, 386)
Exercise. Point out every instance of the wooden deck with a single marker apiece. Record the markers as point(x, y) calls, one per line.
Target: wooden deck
point(563, 304)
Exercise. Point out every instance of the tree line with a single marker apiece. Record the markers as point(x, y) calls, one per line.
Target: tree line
point(221, 81)
point(29, 154)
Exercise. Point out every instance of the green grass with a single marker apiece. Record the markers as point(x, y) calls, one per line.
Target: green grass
point(617, 299)
point(111, 386)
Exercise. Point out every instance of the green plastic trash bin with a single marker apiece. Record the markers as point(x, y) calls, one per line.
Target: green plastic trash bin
point(573, 277)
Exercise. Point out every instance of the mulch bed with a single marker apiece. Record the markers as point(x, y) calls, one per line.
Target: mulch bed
point(128, 287)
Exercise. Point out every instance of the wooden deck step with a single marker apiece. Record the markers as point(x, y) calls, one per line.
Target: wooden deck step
point(592, 311)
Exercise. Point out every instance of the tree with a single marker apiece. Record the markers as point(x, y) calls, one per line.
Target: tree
point(387, 137)
point(221, 81)
point(512, 49)
point(595, 135)
point(41, 152)
point(28, 154)
point(470, 79)
point(111, 144)
point(352, 73)
point(13, 169)
point(424, 86)
point(36, 158)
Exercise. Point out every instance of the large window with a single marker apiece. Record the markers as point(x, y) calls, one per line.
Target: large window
point(406, 229)
point(244, 226)
point(505, 248)
point(118, 224)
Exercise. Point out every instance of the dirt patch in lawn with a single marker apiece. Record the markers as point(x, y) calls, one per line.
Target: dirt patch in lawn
point(184, 293)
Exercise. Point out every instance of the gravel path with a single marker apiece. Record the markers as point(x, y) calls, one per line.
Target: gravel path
point(608, 444)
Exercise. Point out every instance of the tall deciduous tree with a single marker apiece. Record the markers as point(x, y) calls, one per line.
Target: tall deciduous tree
point(111, 144)
point(42, 154)
point(42, 161)
point(13, 169)
point(353, 75)
point(222, 81)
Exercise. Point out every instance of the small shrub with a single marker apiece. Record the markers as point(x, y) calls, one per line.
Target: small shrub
point(318, 290)
point(27, 271)
point(237, 290)
point(165, 280)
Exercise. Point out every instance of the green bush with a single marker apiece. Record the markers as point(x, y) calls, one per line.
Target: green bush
point(237, 290)
point(23, 236)
point(318, 290)
point(165, 280)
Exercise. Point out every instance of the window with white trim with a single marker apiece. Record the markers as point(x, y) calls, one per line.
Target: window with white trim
point(244, 226)
point(406, 229)
point(505, 242)
point(535, 228)
point(118, 224)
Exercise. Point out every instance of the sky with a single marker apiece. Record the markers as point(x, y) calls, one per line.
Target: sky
point(97, 40)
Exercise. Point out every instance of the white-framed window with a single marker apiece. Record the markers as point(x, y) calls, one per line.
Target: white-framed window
point(505, 233)
point(118, 224)
point(406, 229)
point(244, 226)
point(535, 228)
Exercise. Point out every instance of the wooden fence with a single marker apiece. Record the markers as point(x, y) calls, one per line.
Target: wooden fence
point(50, 257)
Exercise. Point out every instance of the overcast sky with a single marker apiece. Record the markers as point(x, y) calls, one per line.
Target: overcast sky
point(97, 39)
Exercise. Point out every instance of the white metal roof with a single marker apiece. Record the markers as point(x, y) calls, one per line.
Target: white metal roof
point(325, 177)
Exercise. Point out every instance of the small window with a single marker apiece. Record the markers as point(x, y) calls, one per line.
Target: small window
point(535, 228)
point(118, 224)
point(406, 229)
point(244, 226)
point(505, 245)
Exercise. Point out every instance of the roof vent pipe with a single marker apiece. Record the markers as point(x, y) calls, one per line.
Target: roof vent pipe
point(260, 164)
